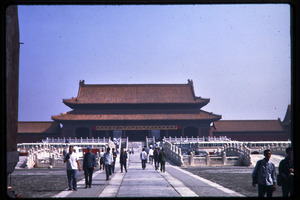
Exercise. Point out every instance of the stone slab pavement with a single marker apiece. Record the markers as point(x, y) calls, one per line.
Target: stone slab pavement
point(175, 182)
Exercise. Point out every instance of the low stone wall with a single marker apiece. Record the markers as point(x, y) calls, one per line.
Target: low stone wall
point(237, 158)
point(192, 160)
point(275, 150)
point(173, 153)
point(233, 154)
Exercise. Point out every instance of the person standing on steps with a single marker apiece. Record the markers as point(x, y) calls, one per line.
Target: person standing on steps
point(89, 165)
point(73, 165)
point(143, 157)
point(108, 161)
point(162, 159)
point(123, 160)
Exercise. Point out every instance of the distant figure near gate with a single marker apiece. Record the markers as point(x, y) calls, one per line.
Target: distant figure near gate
point(151, 155)
point(143, 157)
point(155, 157)
point(114, 157)
point(162, 159)
point(102, 159)
point(123, 160)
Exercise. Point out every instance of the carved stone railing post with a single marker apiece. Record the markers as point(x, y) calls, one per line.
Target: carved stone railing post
point(224, 159)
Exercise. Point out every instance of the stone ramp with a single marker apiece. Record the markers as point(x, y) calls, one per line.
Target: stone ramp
point(144, 183)
point(136, 145)
point(22, 162)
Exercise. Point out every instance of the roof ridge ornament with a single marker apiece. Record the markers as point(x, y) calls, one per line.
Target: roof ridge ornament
point(81, 82)
point(190, 81)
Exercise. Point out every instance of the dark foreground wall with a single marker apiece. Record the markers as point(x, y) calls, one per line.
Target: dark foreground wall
point(12, 83)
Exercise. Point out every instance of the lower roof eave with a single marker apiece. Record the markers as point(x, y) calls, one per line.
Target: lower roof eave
point(140, 120)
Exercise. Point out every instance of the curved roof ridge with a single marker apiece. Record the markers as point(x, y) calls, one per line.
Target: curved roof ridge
point(135, 94)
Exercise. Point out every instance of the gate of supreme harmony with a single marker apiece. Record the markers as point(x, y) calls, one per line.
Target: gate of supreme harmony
point(136, 111)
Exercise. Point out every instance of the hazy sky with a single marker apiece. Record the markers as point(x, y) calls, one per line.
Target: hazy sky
point(236, 55)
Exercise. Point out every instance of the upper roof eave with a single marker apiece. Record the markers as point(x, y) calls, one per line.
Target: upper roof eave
point(135, 94)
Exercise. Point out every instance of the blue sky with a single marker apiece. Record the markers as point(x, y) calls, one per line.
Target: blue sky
point(236, 55)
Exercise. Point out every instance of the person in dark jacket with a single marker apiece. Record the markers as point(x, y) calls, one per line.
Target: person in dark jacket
point(162, 159)
point(286, 173)
point(123, 160)
point(114, 157)
point(155, 157)
point(102, 159)
point(89, 164)
point(265, 172)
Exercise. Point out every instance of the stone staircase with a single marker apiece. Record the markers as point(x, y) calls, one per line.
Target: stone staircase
point(136, 145)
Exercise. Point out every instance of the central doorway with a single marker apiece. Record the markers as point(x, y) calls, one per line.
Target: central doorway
point(139, 135)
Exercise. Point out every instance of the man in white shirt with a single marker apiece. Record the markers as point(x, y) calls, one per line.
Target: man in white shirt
point(143, 157)
point(73, 165)
point(108, 161)
point(151, 155)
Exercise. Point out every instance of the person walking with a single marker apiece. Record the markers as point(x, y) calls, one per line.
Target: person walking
point(72, 165)
point(102, 159)
point(151, 155)
point(286, 173)
point(162, 159)
point(143, 157)
point(114, 158)
point(123, 160)
point(108, 161)
point(147, 151)
point(264, 175)
point(89, 164)
point(129, 150)
point(155, 157)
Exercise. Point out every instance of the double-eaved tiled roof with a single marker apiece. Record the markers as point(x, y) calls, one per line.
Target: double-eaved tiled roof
point(136, 94)
point(118, 102)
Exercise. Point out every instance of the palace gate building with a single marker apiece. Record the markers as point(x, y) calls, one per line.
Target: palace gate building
point(136, 111)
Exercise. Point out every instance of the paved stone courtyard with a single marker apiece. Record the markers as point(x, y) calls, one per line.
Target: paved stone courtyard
point(43, 183)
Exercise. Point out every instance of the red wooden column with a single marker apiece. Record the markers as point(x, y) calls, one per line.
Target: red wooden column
point(106, 134)
point(90, 134)
point(124, 133)
point(199, 131)
point(73, 132)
